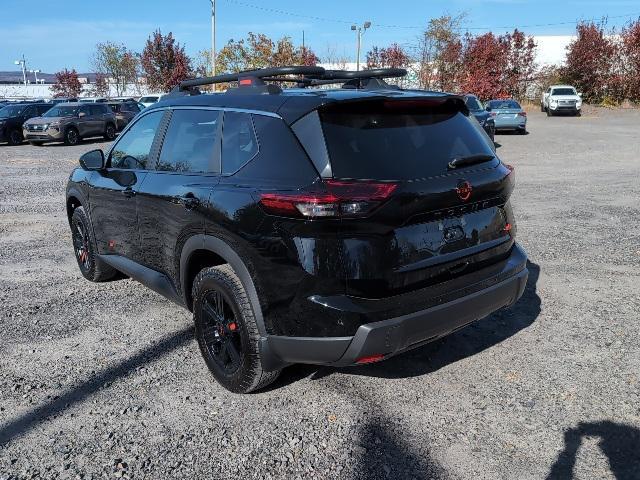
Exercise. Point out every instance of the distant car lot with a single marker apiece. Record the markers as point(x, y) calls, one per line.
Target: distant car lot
point(105, 379)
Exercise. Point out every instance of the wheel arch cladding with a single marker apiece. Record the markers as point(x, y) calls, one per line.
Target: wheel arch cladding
point(200, 248)
point(74, 200)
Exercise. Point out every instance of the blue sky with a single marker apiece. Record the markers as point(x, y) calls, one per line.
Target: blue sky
point(60, 34)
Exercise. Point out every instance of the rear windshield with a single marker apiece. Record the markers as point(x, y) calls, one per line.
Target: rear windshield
point(148, 99)
point(499, 104)
point(563, 91)
point(370, 142)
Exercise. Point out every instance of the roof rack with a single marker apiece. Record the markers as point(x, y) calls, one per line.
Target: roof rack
point(252, 78)
point(372, 79)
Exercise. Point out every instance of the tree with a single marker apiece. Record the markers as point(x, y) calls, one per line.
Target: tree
point(438, 51)
point(115, 61)
point(164, 62)
point(485, 61)
point(630, 45)
point(67, 84)
point(394, 56)
point(590, 61)
point(101, 87)
point(259, 51)
point(520, 64)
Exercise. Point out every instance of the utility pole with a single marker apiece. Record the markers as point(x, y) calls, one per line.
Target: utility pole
point(359, 32)
point(213, 37)
point(23, 64)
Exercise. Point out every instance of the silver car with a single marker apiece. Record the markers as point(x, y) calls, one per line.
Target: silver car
point(508, 115)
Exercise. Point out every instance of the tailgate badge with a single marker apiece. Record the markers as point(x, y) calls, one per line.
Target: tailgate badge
point(463, 190)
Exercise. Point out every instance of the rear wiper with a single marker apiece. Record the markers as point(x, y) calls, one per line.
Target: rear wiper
point(470, 160)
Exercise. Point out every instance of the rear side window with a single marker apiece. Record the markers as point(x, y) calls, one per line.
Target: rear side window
point(96, 109)
point(134, 147)
point(190, 144)
point(239, 142)
point(398, 140)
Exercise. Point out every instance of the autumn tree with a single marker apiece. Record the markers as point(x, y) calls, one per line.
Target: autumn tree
point(520, 65)
point(67, 84)
point(116, 62)
point(164, 62)
point(589, 61)
point(485, 60)
point(438, 52)
point(101, 87)
point(630, 46)
point(393, 56)
point(260, 51)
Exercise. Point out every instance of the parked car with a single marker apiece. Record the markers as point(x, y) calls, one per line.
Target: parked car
point(334, 227)
point(561, 98)
point(150, 99)
point(124, 112)
point(13, 116)
point(508, 115)
point(483, 117)
point(71, 122)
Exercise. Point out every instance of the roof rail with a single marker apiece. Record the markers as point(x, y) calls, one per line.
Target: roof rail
point(253, 78)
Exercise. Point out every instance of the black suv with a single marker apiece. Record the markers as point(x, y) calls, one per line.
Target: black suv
point(483, 117)
point(13, 116)
point(332, 227)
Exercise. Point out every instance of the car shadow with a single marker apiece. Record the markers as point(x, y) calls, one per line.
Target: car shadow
point(620, 443)
point(27, 421)
point(431, 357)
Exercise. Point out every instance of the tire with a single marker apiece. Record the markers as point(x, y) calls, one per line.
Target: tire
point(84, 248)
point(542, 109)
point(15, 137)
point(522, 131)
point(227, 331)
point(549, 112)
point(71, 136)
point(579, 113)
point(109, 132)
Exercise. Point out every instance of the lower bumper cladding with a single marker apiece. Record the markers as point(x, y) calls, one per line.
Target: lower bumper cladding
point(379, 340)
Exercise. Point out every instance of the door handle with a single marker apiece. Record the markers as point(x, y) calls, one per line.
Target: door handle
point(188, 201)
point(128, 192)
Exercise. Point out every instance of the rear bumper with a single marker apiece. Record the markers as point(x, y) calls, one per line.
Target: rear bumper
point(395, 335)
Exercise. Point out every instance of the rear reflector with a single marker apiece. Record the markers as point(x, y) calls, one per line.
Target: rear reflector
point(370, 359)
point(339, 199)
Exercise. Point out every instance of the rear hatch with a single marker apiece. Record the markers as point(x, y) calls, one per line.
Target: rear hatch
point(447, 214)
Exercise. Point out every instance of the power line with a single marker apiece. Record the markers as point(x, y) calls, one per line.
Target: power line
point(414, 27)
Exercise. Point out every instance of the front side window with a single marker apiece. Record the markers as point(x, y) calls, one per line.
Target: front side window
point(133, 148)
point(239, 142)
point(190, 144)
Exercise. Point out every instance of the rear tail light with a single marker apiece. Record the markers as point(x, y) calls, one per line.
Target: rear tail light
point(339, 199)
point(522, 114)
point(493, 114)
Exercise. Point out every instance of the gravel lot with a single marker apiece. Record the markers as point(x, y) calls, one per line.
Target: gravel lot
point(105, 380)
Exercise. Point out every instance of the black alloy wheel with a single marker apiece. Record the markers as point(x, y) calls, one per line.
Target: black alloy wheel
point(81, 247)
point(71, 137)
point(221, 332)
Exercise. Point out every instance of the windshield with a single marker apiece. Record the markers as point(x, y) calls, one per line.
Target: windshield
point(62, 111)
point(12, 111)
point(473, 104)
point(500, 104)
point(370, 142)
point(563, 91)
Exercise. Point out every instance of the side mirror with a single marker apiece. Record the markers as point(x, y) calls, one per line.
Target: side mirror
point(93, 160)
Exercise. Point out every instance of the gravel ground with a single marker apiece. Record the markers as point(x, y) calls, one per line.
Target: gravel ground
point(105, 380)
